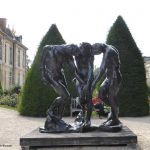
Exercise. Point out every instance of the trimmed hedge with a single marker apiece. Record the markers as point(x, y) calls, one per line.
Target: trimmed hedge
point(133, 100)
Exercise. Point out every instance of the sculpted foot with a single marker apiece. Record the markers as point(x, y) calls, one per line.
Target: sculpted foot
point(111, 126)
point(80, 119)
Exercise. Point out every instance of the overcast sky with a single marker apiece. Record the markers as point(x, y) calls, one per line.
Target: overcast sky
point(77, 20)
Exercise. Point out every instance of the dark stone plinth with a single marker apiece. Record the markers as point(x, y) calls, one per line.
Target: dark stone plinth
point(36, 139)
point(115, 128)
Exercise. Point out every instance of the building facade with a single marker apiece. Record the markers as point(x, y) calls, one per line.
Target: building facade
point(12, 57)
point(147, 69)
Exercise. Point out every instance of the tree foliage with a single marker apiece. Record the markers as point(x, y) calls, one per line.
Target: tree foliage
point(133, 100)
point(1, 89)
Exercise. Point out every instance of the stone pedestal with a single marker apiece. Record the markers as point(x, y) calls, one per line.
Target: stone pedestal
point(36, 140)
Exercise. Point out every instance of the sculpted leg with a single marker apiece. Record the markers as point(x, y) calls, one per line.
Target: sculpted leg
point(89, 104)
point(113, 118)
point(54, 114)
point(58, 104)
point(80, 119)
point(103, 95)
point(84, 116)
point(57, 107)
point(112, 124)
point(114, 88)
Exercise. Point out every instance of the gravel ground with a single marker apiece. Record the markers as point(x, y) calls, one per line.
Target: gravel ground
point(13, 126)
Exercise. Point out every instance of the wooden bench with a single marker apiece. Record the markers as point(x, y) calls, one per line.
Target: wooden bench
point(75, 106)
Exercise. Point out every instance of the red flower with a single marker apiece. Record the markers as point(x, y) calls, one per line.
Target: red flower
point(96, 100)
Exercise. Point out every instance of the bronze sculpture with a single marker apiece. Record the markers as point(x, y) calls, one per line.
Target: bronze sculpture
point(53, 58)
point(110, 66)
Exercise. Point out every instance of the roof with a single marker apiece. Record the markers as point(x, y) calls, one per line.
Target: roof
point(146, 58)
point(11, 36)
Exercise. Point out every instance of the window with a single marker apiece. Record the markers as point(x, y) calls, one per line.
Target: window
point(18, 58)
point(5, 80)
point(5, 53)
point(0, 49)
point(19, 79)
point(23, 60)
point(10, 78)
point(11, 56)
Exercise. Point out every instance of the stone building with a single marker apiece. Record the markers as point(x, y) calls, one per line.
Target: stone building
point(12, 57)
point(147, 68)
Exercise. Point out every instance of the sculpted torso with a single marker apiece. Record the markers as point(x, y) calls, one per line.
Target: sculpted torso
point(54, 62)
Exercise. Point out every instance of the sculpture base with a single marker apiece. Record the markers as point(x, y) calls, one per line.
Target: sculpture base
point(37, 140)
point(116, 128)
point(56, 127)
point(71, 129)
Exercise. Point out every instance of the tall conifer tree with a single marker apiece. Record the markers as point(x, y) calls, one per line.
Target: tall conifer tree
point(37, 97)
point(132, 96)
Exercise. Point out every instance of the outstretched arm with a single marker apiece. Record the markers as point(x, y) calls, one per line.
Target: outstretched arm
point(90, 71)
point(100, 73)
point(71, 62)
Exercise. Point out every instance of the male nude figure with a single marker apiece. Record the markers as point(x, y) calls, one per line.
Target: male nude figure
point(84, 62)
point(108, 91)
point(53, 59)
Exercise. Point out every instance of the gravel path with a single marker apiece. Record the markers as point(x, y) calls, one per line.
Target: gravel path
point(13, 126)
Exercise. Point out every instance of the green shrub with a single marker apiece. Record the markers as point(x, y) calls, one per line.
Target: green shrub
point(148, 91)
point(9, 100)
point(102, 109)
point(15, 90)
point(1, 89)
point(6, 92)
point(133, 100)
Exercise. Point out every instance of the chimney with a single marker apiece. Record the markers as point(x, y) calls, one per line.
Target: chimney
point(19, 38)
point(3, 24)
